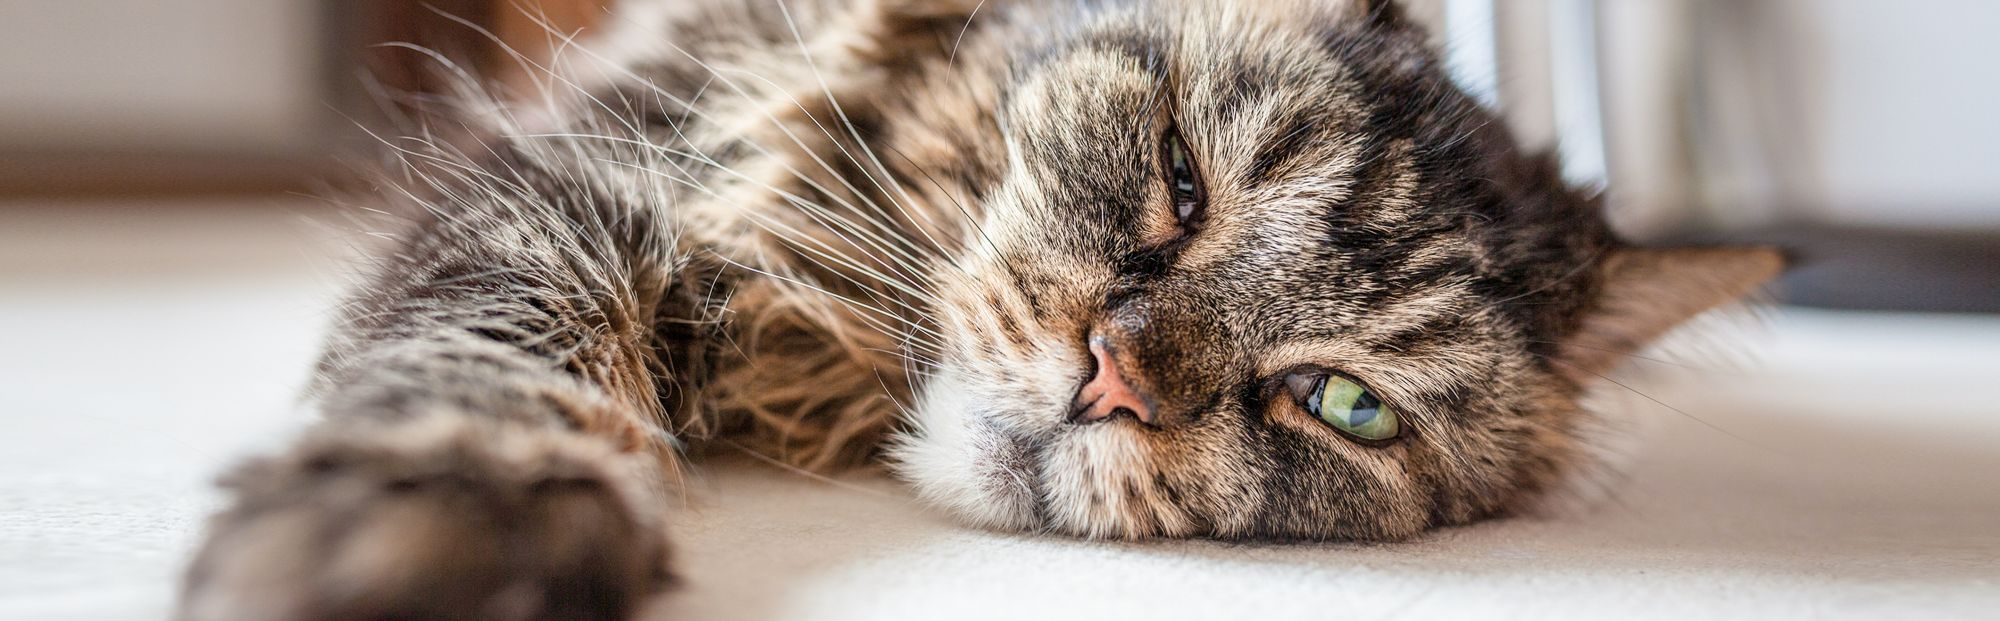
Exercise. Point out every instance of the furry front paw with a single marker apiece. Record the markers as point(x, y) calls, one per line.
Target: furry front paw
point(434, 519)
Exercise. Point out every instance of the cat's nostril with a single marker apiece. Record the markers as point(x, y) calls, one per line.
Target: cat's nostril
point(1108, 392)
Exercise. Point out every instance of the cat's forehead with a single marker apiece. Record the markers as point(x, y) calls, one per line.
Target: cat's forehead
point(1222, 50)
point(1349, 186)
point(1257, 89)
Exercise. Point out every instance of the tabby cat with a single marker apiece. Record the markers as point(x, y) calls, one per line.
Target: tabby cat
point(1243, 269)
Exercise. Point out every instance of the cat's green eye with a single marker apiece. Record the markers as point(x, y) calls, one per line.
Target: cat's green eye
point(1351, 408)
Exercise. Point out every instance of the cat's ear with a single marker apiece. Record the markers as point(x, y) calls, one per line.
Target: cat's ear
point(1646, 292)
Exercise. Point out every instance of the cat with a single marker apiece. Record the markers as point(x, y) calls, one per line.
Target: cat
point(1122, 269)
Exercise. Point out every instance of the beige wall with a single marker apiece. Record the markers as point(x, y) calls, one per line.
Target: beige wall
point(160, 75)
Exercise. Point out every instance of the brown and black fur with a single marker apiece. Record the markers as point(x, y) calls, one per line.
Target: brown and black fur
point(837, 230)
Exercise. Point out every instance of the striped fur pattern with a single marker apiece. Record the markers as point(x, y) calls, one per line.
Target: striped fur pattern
point(835, 231)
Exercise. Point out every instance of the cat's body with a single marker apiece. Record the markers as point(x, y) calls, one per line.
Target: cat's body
point(1079, 267)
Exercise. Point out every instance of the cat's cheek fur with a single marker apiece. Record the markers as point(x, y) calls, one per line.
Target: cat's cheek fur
point(1102, 483)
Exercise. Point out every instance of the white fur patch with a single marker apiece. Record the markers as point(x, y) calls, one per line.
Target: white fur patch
point(959, 461)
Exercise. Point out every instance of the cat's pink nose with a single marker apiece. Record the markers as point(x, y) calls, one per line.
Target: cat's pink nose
point(1108, 392)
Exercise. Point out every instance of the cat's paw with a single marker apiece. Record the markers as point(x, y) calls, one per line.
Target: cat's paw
point(434, 519)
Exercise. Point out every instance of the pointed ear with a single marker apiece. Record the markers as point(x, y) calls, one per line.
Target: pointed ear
point(1646, 292)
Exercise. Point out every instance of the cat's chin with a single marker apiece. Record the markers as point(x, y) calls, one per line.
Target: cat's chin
point(1085, 481)
point(961, 460)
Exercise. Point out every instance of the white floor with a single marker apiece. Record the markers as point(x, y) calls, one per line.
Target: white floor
point(1831, 466)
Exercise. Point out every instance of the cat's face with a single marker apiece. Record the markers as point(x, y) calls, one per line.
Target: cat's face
point(1252, 270)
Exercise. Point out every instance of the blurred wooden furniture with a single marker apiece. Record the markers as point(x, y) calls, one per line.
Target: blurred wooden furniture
point(136, 98)
point(487, 33)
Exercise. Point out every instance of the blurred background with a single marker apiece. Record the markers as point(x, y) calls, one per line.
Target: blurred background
point(1857, 133)
point(166, 261)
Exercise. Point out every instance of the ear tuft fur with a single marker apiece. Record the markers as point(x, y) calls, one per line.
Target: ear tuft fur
point(1647, 292)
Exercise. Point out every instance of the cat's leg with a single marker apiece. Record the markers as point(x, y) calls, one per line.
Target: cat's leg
point(493, 438)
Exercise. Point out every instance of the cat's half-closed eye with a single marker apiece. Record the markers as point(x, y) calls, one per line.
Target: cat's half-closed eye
point(1646, 292)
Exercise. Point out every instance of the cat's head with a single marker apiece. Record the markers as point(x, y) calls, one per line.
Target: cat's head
point(1258, 269)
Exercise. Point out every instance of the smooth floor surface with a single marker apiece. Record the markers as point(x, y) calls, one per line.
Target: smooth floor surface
point(1816, 465)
